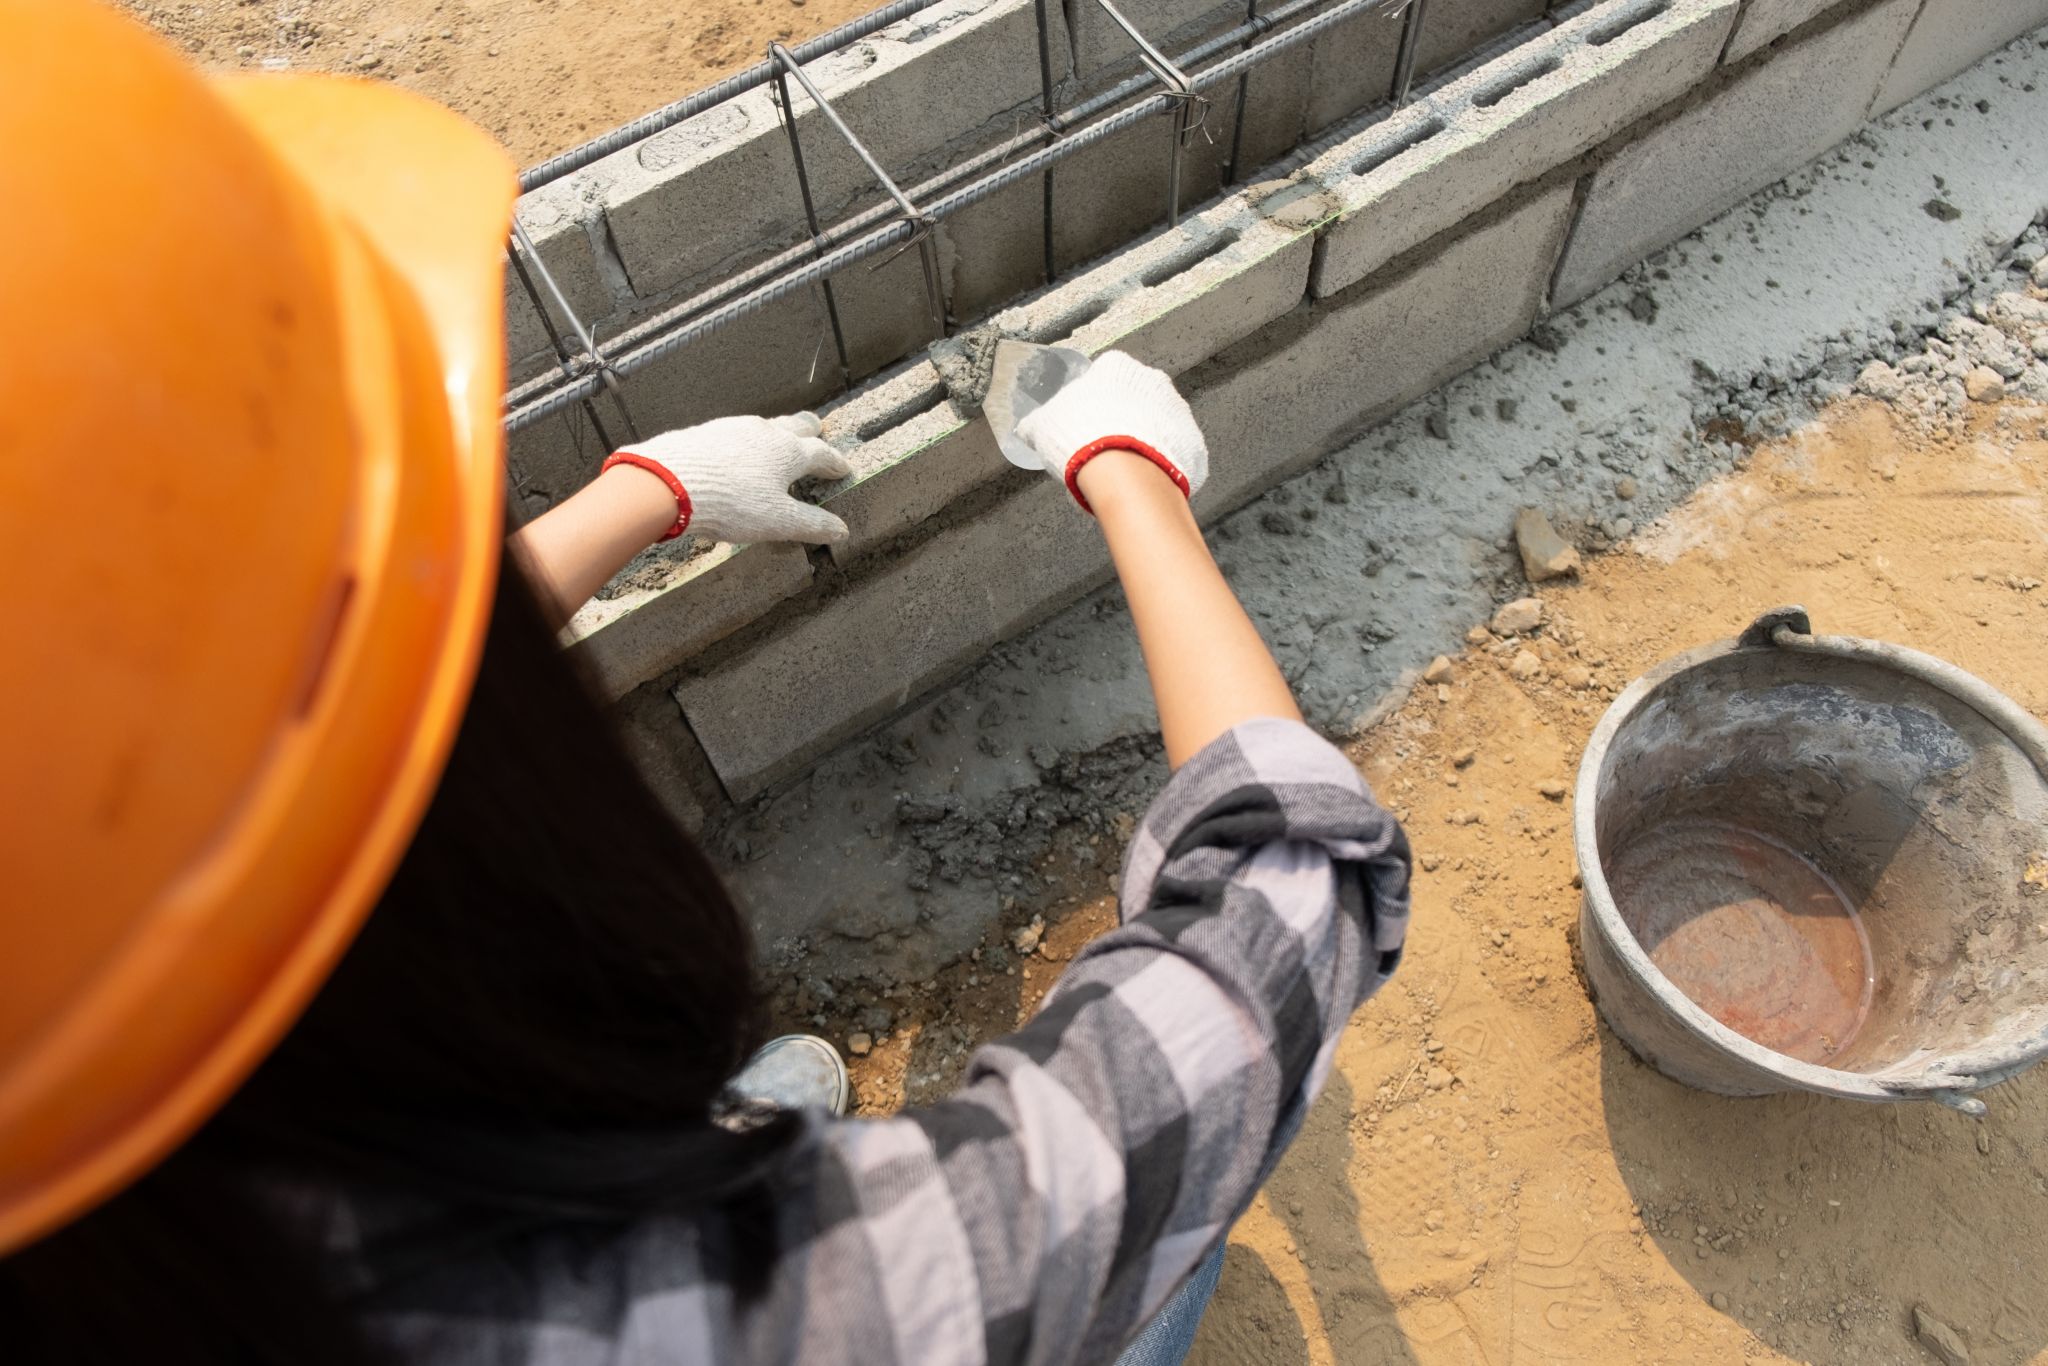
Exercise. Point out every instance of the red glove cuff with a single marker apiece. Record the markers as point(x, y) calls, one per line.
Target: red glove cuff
point(1119, 443)
point(667, 476)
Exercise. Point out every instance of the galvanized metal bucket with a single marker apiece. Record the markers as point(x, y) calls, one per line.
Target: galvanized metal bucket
point(1818, 863)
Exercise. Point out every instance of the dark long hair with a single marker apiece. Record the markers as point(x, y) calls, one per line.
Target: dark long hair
point(528, 1033)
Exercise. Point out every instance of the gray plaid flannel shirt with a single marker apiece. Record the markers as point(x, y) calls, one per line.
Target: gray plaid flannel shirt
point(1092, 1159)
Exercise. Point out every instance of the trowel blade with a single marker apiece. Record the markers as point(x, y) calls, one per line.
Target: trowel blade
point(1023, 377)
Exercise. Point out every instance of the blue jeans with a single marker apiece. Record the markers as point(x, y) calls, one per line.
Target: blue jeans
point(1165, 1341)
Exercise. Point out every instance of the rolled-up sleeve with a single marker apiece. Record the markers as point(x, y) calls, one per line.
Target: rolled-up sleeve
point(1096, 1155)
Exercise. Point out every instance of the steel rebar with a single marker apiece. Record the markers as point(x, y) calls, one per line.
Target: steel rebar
point(733, 86)
point(1411, 43)
point(934, 299)
point(803, 185)
point(698, 317)
point(1046, 96)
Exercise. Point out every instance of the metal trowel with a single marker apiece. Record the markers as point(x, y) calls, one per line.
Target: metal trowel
point(1022, 379)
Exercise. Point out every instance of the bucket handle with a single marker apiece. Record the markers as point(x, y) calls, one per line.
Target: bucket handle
point(1763, 633)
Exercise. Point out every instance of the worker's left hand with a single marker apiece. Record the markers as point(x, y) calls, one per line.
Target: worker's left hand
point(737, 471)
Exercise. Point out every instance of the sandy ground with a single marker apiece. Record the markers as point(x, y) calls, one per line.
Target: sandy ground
point(541, 75)
point(1491, 1176)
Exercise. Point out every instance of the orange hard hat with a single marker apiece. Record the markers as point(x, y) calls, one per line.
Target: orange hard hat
point(251, 482)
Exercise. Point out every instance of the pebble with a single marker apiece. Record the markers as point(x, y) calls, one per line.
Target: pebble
point(1431, 862)
point(1625, 488)
point(1026, 939)
point(1525, 665)
point(1545, 554)
point(1720, 1301)
point(860, 1044)
point(1463, 758)
point(1938, 1338)
point(1479, 635)
point(369, 61)
point(1983, 1142)
point(1553, 789)
point(2040, 275)
point(1439, 670)
point(1578, 676)
point(1517, 617)
point(1437, 1079)
point(1984, 385)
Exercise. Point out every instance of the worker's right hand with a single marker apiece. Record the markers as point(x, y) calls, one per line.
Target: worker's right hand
point(1119, 404)
point(733, 477)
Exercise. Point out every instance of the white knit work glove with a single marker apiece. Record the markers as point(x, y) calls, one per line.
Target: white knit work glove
point(1119, 404)
point(731, 477)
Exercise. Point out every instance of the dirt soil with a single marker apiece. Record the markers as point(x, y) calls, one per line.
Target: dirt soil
point(541, 75)
point(1491, 1176)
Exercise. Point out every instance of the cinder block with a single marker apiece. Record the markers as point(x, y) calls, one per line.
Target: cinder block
point(1104, 54)
point(650, 727)
point(1173, 302)
point(1951, 35)
point(1766, 20)
point(1434, 164)
point(1354, 62)
point(1279, 401)
point(892, 635)
point(1776, 118)
point(720, 190)
point(1269, 410)
point(628, 640)
point(553, 219)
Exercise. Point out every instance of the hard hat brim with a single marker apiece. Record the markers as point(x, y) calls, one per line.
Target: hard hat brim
point(417, 203)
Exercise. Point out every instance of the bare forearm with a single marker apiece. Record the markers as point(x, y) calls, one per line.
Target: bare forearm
point(1209, 667)
point(574, 548)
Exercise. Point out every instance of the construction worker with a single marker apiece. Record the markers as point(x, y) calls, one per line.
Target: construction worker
point(358, 1001)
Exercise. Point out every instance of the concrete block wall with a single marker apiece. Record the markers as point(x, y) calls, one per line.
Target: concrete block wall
point(660, 221)
point(1295, 312)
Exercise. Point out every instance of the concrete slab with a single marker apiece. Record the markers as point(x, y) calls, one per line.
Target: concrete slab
point(1432, 165)
point(627, 640)
point(1776, 118)
point(1766, 20)
point(1948, 36)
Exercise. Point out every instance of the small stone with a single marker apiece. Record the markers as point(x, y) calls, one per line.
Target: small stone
point(1941, 210)
point(1439, 670)
point(1545, 554)
point(447, 35)
point(1938, 1338)
point(2040, 275)
point(1984, 385)
point(1983, 1142)
point(1553, 789)
point(1720, 1301)
point(1518, 617)
point(860, 1044)
point(1438, 425)
point(1577, 676)
point(1881, 382)
point(1437, 1078)
point(1625, 488)
point(1433, 1221)
point(1430, 862)
point(1463, 758)
point(1025, 941)
point(1525, 665)
point(1479, 635)
point(1506, 408)
point(369, 61)
point(1642, 306)
point(245, 52)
